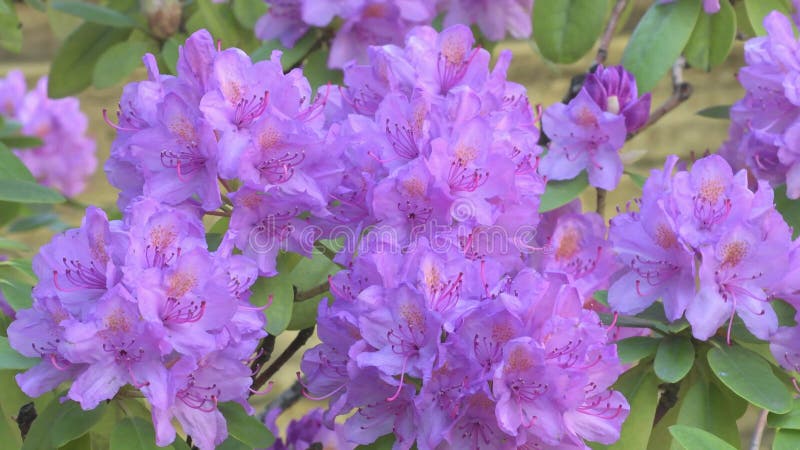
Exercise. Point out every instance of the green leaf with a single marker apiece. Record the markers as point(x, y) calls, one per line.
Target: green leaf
point(10, 244)
point(220, 21)
point(94, 13)
point(758, 9)
point(134, 433)
point(247, 429)
point(308, 274)
point(638, 180)
point(637, 427)
point(11, 167)
point(564, 30)
point(712, 38)
point(601, 297)
point(169, 53)
point(385, 442)
point(674, 358)
point(696, 439)
point(20, 141)
point(749, 376)
point(317, 71)
point(247, 12)
point(119, 61)
point(293, 56)
point(560, 192)
point(10, 28)
point(788, 420)
point(789, 209)
point(60, 423)
point(10, 359)
point(33, 222)
point(17, 293)
point(716, 112)
point(21, 191)
point(786, 440)
point(73, 65)
point(634, 348)
point(280, 288)
point(706, 407)
point(658, 40)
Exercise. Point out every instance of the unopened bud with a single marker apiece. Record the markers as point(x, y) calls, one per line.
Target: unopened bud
point(163, 16)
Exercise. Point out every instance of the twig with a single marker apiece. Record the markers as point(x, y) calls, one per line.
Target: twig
point(218, 213)
point(323, 39)
point(681, 91)
point(605, 40)
point(601, 201)
point(285, 399)
point(325, 250)
point(264, 351)
point(301, 296)
point(755, 443)
point(299, 341)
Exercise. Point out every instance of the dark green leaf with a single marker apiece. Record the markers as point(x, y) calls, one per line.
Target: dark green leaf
point(786, 440)
point(73, 65)
point(385, 442)
point(749, 376)
point(785, 312)
point(247, 429)
point(247, 12)
point(10, 359)
point(231, 443)
point(560, 192)
point(134, 433)
point(94, 13)
point(27, 192)
point(658, 40)
point(72, 422)
point(633, 349)
point(716, 112)
point(696, 439)
point(712, 38)
point(19, 141)
point(674, 358)
point(564, 30)
point(758, 9)
point(118, 61)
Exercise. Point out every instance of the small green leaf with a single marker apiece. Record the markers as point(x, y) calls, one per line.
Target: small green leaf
point(169, 53)
point(73, 65)
point(280, 288)
point(786, 440)
point(634, 348)
point(119, 61)
point(247, 12)
point(674, 358)
point(133, 433)
point(757, 10)
point(93, 13)
point(10, 359)
point(601, 297)
point(247, 429)
point(658, 40)
point(560, 192)
point(20, 141)
point(712, 38)
point(696, 439)
point(564, 30)
point(716, 112)
point(749, 376)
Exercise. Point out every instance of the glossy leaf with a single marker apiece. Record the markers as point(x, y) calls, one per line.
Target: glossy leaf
point(10, 359)
point(60, 423)
point(712, 38)
point(560, 192)
point(133, 433)
point(694, 439)
point(73, 65)
point(634, 348)
point(564, 30)
point(674, 358)
point(749, 376)
point(94, 13)
point(637, 427)
point(786, 439)
point(247, 429)
point(716, 112)
point(758, 9)
point(706, 407)
point(119, 61)
point(658, 40)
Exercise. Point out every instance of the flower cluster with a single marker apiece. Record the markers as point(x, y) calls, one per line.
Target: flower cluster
point(765, 123)
point(142, 303)
point(707, 245)
point(226, 120)
point(381, 22)
point(588, 132)
point(66, 158)
point(440, 329)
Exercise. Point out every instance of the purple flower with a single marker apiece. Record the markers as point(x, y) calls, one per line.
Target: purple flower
point(614, 90)
point(494, 18)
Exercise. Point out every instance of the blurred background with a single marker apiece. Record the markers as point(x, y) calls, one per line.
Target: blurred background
point(681, 132)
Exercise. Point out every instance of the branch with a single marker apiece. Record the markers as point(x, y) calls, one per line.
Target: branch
point(681, 91)
point(600, 208)
point(605, 40)
point(758, 433)
point(264, 352)
point(301, 296)
point(299, 341)
point(286, 398)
